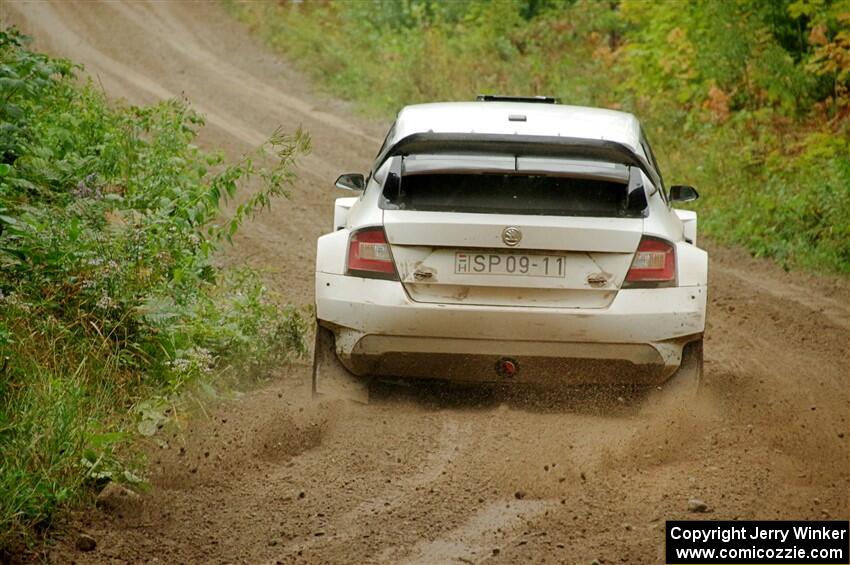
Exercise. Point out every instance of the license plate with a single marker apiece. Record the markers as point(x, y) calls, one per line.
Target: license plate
point(510, 264)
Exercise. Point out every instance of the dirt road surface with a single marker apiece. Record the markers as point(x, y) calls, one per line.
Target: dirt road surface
point(416, 477)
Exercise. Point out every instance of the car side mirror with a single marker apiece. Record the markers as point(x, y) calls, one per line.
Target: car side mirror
point(683, 193)
point(351, 181)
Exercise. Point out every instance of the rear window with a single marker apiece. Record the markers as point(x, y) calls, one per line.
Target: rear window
point(497, 193)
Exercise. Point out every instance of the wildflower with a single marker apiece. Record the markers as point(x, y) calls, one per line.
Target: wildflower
point(203, 358)
point(180, 365)
point(83, 190)
point(105, 302)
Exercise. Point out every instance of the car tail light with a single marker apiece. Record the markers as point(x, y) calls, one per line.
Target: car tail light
point(654, 264)
point(369, 255)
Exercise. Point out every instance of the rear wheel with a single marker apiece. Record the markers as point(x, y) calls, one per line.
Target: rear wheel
point(330, 377)
point(683, 386)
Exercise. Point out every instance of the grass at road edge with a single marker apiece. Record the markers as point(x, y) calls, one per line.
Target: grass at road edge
point(110, 303)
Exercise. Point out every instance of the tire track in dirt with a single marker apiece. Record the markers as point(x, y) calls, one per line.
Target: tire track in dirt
point(270, 476)
point(477, 537)
point(451, 439)
point(184, 41)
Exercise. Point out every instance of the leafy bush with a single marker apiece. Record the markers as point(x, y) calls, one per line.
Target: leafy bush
point(109, 218)
point(748, 100)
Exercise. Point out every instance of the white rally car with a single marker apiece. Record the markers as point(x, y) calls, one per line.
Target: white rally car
point(511, 239)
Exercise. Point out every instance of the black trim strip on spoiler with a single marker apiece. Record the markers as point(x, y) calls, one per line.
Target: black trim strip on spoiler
point(520, 145)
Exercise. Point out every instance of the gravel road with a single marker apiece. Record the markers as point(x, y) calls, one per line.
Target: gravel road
point(421, 477)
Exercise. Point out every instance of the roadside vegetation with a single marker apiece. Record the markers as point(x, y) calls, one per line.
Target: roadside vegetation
point(746, 100)
point(110, 302)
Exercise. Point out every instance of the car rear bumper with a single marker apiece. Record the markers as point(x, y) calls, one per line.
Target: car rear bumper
point(380, 331)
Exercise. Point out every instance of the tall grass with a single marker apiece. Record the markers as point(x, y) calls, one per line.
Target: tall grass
point(747, 100)
point(109, 298)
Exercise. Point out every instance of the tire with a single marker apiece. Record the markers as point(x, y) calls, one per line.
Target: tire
point(330, 377)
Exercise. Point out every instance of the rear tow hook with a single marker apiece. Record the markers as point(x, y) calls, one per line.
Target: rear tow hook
point(506, 367)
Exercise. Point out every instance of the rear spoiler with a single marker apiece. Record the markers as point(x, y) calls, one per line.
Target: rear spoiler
point(518, 145)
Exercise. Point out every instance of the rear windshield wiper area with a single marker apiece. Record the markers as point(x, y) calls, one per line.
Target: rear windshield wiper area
point(514, 193)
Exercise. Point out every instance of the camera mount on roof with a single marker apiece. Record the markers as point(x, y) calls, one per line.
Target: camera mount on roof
point(533, 99)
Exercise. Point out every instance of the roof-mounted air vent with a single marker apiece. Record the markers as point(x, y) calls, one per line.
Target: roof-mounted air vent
point(533, 99)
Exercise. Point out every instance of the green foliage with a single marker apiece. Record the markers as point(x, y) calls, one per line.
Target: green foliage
point(747, 99)
point(759, 123)
point(109, 218)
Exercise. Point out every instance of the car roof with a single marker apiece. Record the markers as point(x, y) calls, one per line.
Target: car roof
point(540, 120)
